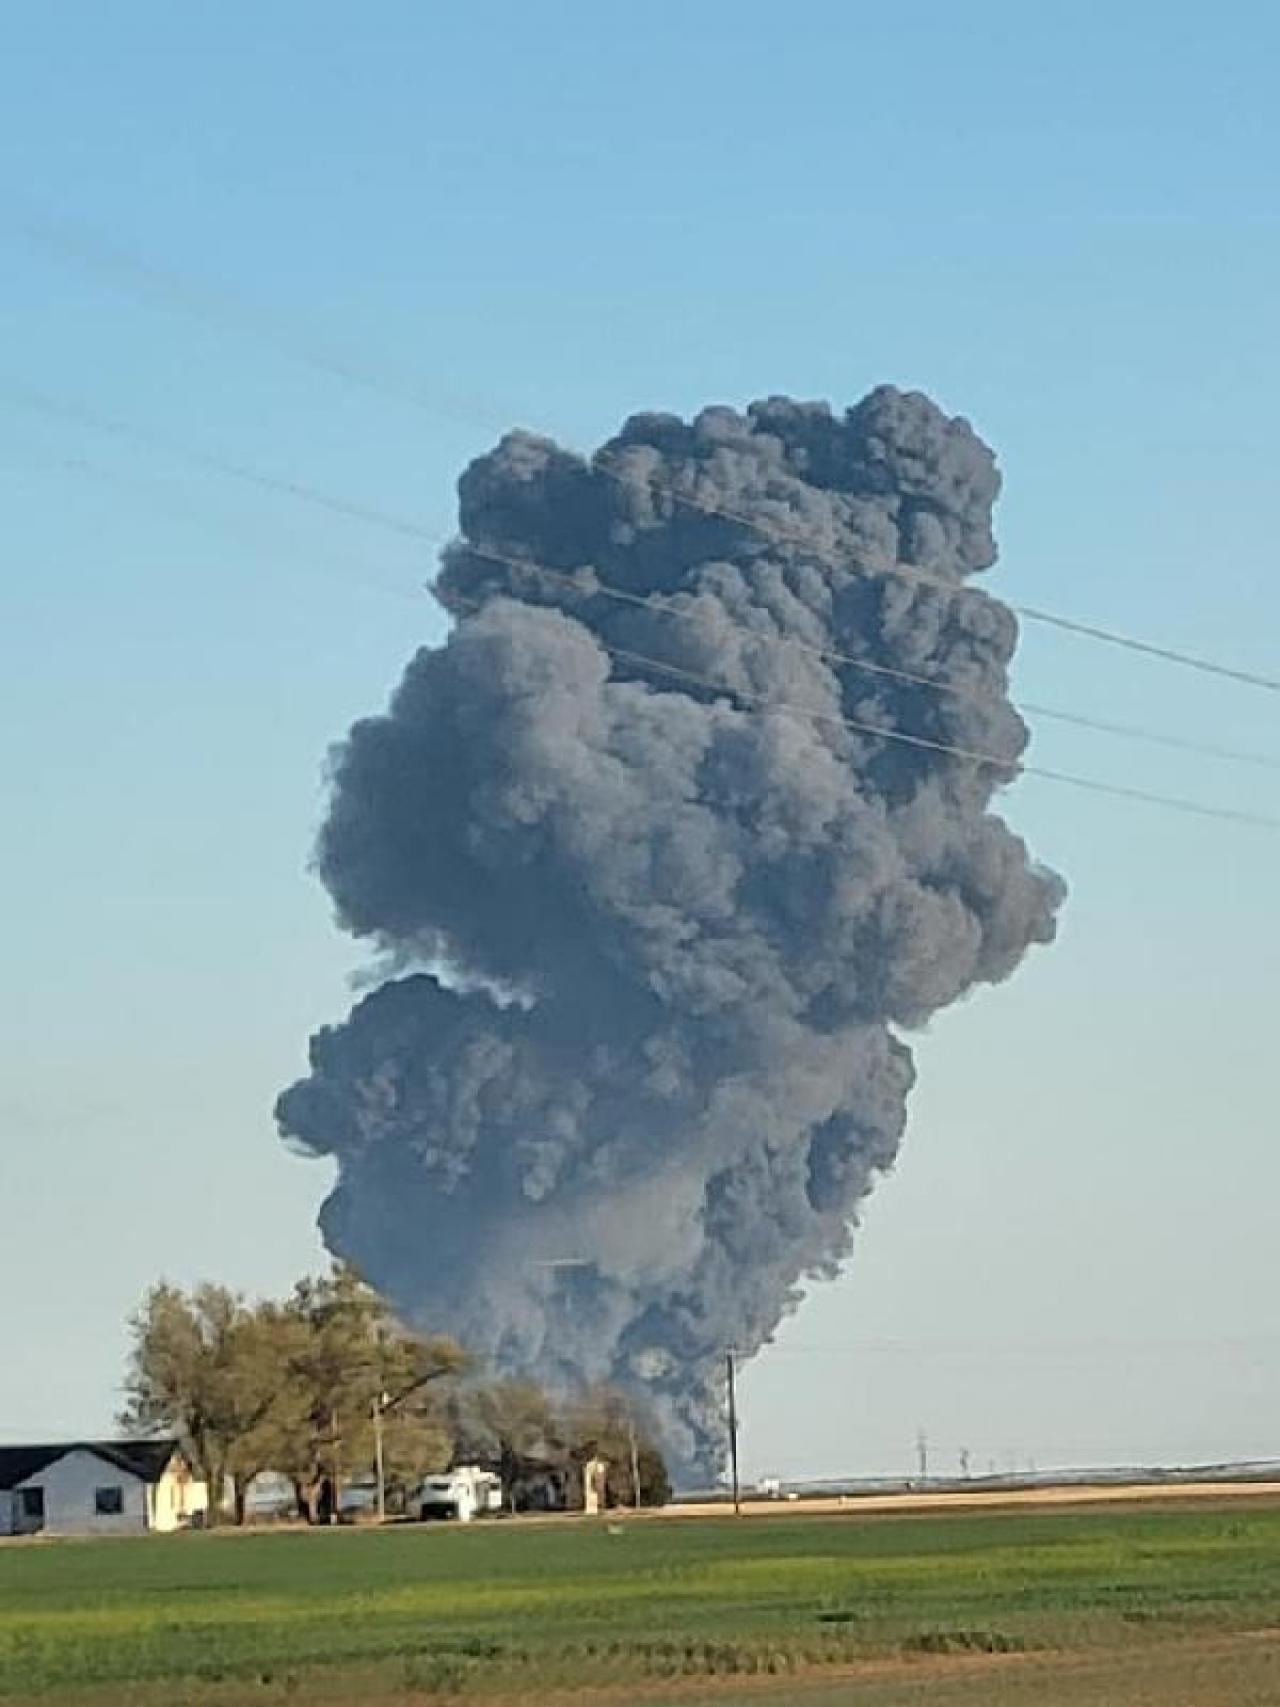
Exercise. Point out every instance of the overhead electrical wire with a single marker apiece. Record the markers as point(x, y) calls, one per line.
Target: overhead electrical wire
point(315, 559)
point(219, 306)
point(212, 461)
point(193, 296)
point(1013, 767)
point(694, 612)
point(352, 510)
point(1009, 767)
point(922, 576)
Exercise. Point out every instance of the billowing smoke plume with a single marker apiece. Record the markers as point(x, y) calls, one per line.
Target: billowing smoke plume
point(668, 904)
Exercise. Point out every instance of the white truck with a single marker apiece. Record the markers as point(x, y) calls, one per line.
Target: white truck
point(460, 1494)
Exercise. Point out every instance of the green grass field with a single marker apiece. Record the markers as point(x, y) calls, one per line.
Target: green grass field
point(942, 1602)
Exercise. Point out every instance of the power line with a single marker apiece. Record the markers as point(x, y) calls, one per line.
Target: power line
point(1174, 802)
point(226, 308)
point(114, 426)
point(694, 612)
point(180, 291)
point(317, 559)
point(942, 583)
point(1011, 768)
point(213, 462)
point(1155, 737)
point(1150, 649)
point(1006, 765)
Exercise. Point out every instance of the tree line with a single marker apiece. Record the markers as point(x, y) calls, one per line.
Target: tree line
point(317, 1386)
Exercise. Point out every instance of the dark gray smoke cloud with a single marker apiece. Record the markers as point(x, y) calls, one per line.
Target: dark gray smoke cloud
point(666, 933)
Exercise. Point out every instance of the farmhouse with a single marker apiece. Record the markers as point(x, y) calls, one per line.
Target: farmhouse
point(116, 1487)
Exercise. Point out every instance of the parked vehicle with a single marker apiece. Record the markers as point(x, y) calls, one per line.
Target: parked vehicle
point(463, 1494)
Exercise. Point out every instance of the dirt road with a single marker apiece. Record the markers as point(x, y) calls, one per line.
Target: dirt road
point(1059, 1494)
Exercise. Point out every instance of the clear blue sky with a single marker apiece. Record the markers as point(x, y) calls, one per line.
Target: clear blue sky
point(1060, 221)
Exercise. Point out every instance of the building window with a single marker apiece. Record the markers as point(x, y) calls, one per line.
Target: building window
point(31, 1504)
point(108, 1502)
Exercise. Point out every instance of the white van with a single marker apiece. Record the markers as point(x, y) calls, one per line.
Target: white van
point(463, 1494)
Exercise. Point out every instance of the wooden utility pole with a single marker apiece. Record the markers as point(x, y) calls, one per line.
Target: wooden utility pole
point(635, 1462)
point(335, 1470)
point(382, 1405)
point(733, 1432)
point(379, 1456)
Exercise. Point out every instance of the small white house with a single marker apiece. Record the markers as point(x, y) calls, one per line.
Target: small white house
point(463, 1494)
point(117, 1487)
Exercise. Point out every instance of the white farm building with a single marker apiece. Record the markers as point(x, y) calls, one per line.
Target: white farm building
point(116, 1487)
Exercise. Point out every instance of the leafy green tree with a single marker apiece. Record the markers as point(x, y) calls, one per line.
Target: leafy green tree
point(353, 1356)
point(290, 1387)
point(205, 1365)
point(274, 1345)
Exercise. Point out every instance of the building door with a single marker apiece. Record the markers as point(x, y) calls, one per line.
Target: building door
point(29, 1511)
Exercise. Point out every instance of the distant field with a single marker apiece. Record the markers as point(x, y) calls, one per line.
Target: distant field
point(1118, 1605)
point(954, 1499)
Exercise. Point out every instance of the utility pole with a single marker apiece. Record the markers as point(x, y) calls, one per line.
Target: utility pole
point(733, 1432)
point(379, 1458)
point(381, 1405)
point(922, 1454)
point(635, 1462)
point(335, 1500)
